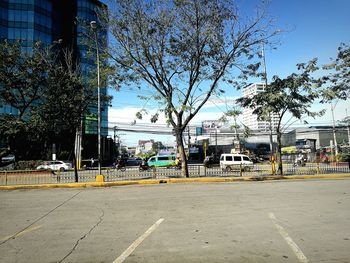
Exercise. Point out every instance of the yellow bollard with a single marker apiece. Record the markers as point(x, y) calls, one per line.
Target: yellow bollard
point(100, 178)
point(273, 165)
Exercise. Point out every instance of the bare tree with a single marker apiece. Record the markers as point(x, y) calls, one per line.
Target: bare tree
point(184, 50)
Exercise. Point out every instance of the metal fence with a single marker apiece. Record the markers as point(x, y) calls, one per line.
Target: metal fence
point(133, 173)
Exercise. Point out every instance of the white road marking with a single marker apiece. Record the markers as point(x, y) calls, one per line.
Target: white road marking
point(297, 251)
point(137, 242)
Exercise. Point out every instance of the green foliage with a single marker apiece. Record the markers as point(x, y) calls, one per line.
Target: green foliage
point(336, 83)
point(50, 95)
point(157, 146)
point(155, 118)
point(139, 114)
point(22, 76)
point(28, 165)
point(247, 131)
point(148, 155)
point(294, 94)
point(233, 112)
point(342, 157)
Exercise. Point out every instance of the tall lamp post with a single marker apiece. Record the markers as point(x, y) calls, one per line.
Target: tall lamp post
point(334, 135)
point(270, 119)
point(93, 26)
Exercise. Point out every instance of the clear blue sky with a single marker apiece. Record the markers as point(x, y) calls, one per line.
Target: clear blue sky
point(314, 28)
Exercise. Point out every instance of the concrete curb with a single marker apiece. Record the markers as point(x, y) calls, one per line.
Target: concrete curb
point(173, 181)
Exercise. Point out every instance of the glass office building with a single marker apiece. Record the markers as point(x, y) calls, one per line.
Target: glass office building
point(49, 21)
point(86, 10)
point(27, 20)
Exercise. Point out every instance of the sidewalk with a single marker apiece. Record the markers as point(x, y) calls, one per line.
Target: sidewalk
point(174, 180)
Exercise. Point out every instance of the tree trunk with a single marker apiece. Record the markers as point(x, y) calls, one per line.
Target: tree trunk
point(76, 178)
point(181, 152)
point(279, 159)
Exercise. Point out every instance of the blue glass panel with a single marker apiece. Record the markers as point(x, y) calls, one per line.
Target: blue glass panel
point(24, 16)
point(31, 16)
point(11, 15)
point(17, 15)
point(11, 33)
point(17, 34)
point(31, 34)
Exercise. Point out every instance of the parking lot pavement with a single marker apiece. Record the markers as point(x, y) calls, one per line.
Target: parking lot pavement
point(274, 221)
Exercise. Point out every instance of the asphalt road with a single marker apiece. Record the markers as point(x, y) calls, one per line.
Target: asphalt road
point(273, 221)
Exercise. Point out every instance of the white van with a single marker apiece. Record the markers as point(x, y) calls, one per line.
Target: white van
point(229, 162)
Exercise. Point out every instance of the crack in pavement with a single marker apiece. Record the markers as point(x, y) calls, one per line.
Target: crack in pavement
point(43, 216)
point(84, 236)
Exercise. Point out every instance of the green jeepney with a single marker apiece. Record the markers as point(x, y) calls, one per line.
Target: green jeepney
point(162, 161)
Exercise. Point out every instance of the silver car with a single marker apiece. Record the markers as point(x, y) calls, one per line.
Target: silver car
point(55, 166)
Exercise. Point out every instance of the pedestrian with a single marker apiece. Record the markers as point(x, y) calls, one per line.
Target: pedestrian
point(92, 162)
point(178, 161)
point(348, 160)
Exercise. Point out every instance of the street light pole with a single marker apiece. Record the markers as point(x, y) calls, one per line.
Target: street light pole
point(270, 119)
point(334, 135)
point(94, 29)
point(216, 141)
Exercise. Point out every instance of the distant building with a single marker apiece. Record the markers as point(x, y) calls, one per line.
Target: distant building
point(144, 146)
point(323, 135)
point(250, 119)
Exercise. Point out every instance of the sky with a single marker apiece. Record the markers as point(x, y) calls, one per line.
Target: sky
point(310, 28)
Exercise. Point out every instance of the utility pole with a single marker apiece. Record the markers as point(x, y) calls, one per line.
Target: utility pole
point(189, 141)
point(216, 140)
point(115, 133)
point(347, 120)
point(94, 29)
point(334, 135)
point(270, 119)
point(117, 145)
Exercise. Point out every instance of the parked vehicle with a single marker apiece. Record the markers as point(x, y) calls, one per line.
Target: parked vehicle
point(162, 161)
point(55, 166)
point(7, 162)
point(229, 162)
point(133, 161)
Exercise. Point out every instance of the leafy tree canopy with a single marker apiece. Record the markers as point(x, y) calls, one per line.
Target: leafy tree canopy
point(22, 76)
point(336, 83)
point(294, 94)
point(49, 93)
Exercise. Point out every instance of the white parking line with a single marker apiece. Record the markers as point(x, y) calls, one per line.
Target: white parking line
point(297, 251)
point(137, 242)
